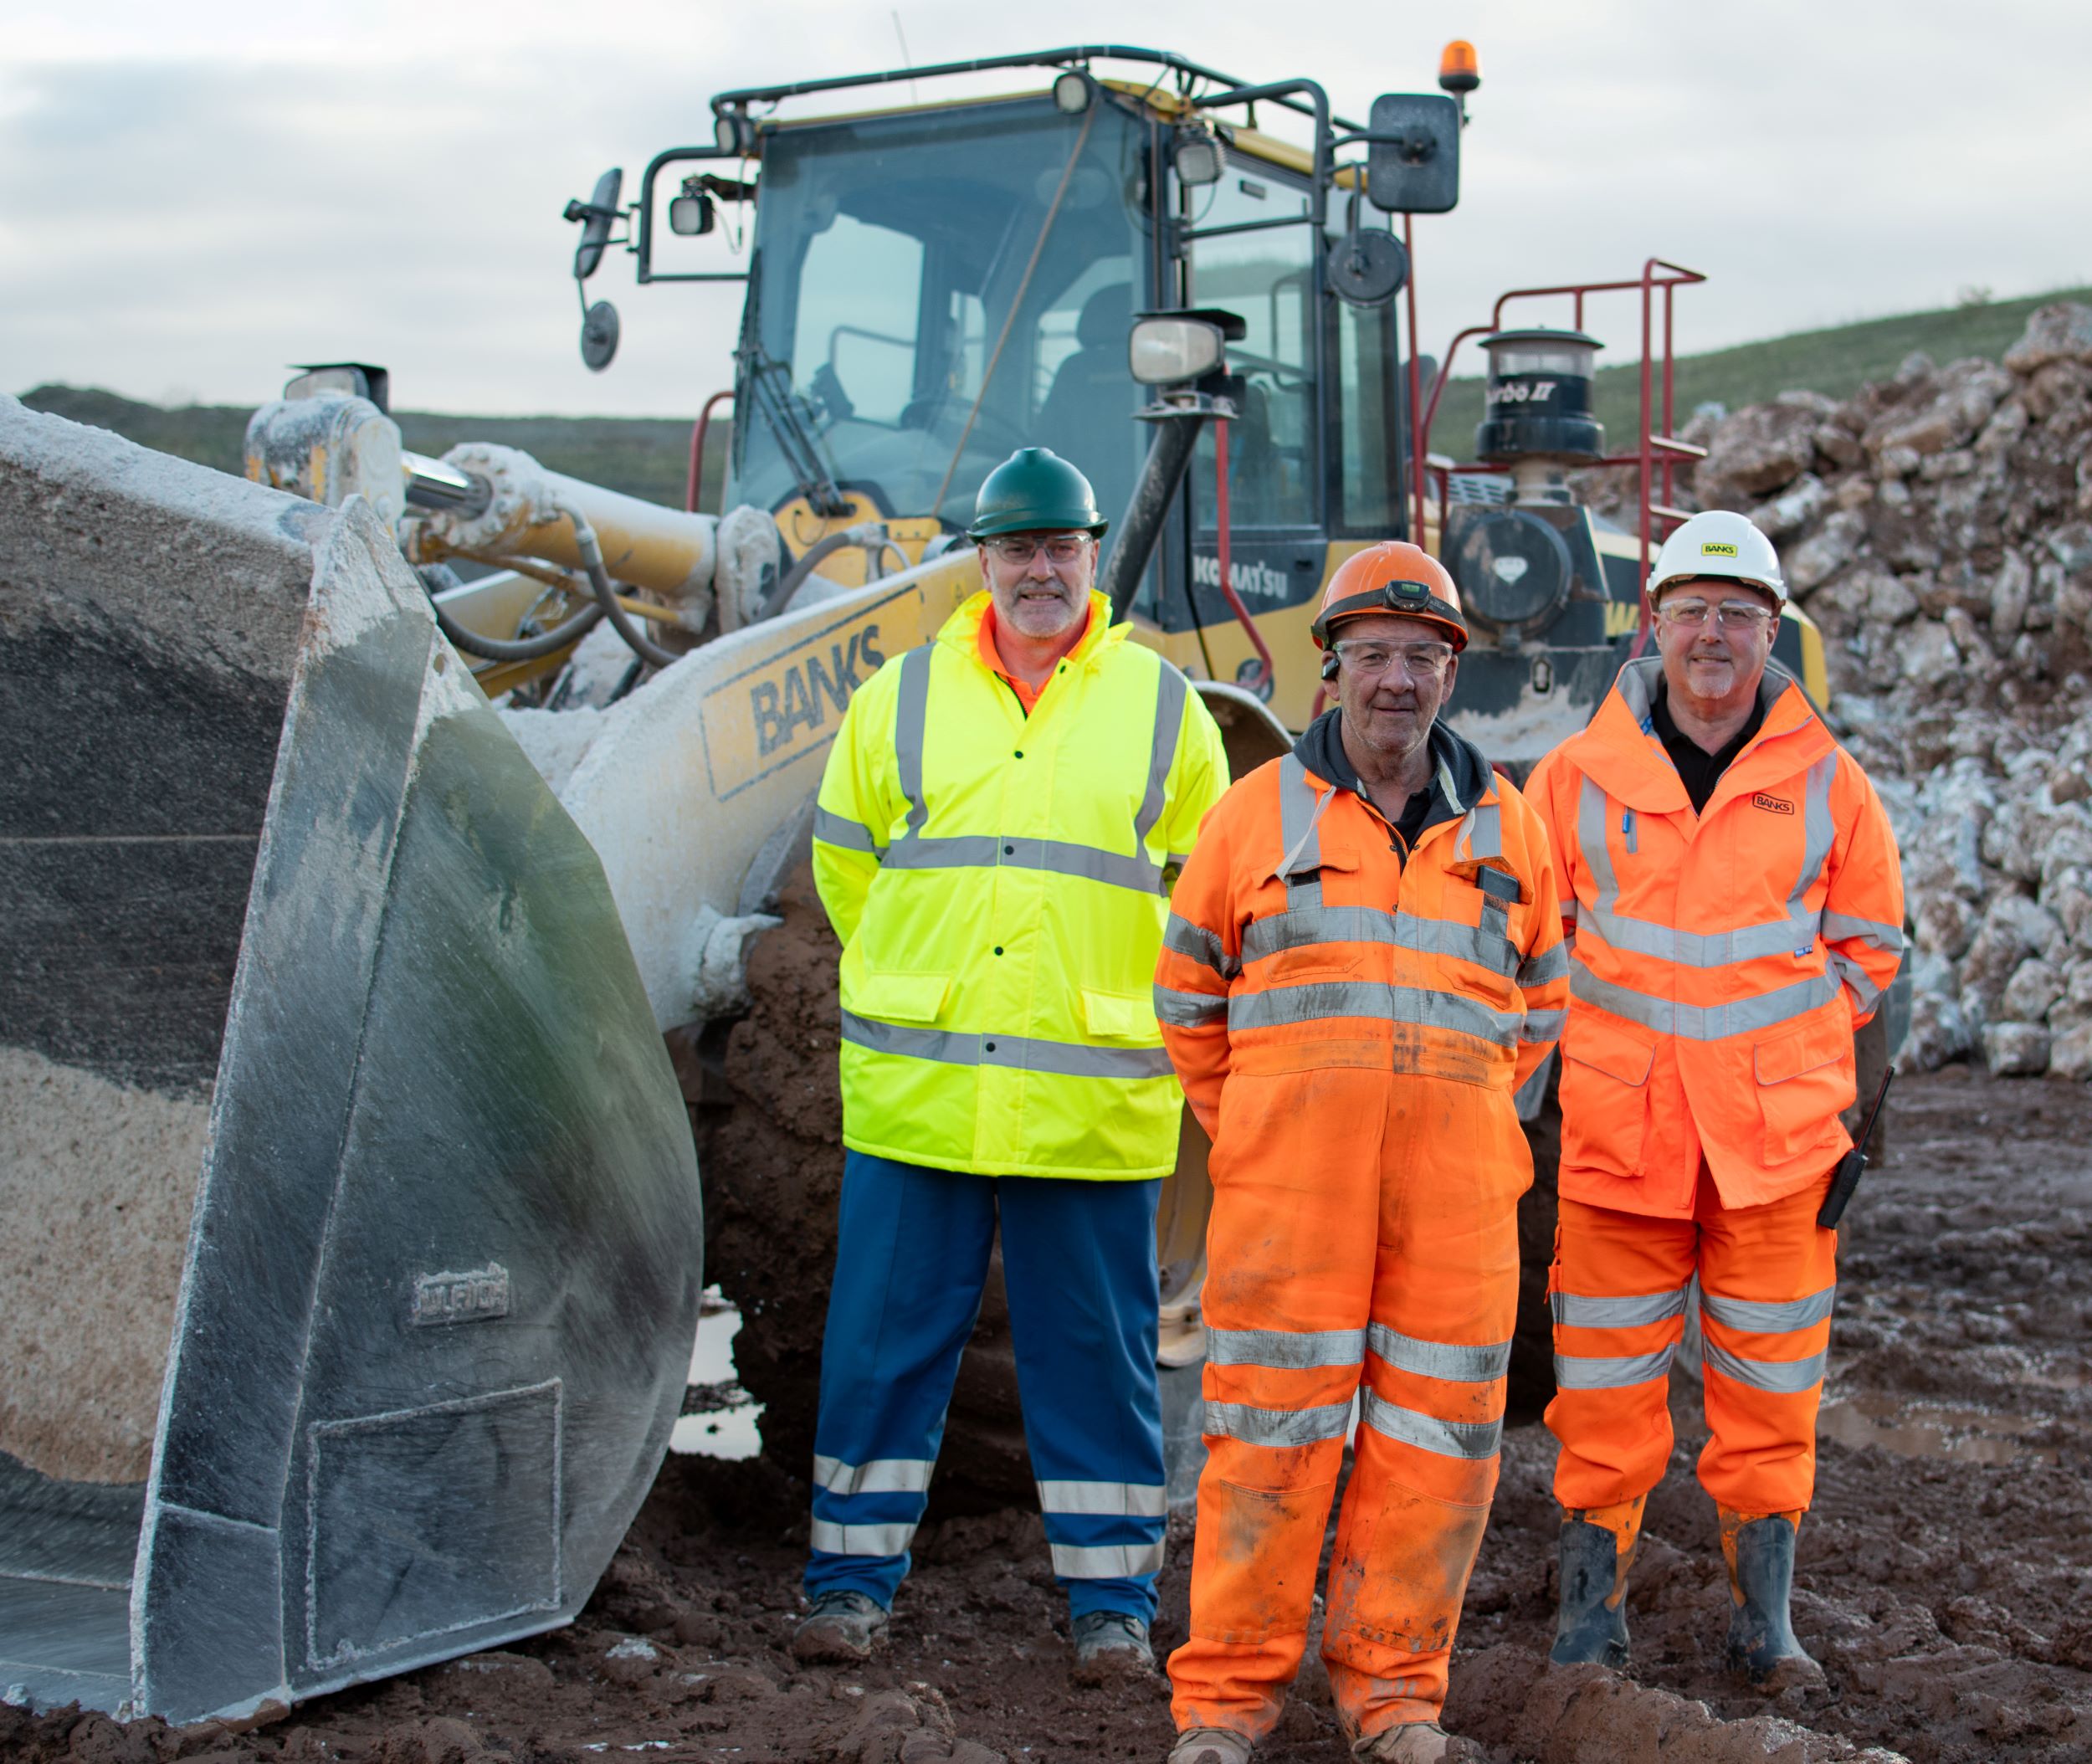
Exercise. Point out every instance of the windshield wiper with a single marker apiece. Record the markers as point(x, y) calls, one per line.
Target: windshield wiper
point(770, 391)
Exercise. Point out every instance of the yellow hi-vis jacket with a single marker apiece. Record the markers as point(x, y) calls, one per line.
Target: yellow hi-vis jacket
point(999, 883)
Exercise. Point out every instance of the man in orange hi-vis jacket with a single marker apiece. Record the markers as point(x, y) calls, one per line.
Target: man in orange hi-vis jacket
point(1732, 886)
point(1362, 961)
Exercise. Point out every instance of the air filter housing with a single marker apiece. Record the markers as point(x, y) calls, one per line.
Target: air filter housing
point(1539, 398)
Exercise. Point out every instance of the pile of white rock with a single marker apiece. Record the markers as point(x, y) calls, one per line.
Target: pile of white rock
point(1938, 527)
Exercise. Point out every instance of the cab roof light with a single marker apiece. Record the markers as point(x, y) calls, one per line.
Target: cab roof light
point(1459, 68)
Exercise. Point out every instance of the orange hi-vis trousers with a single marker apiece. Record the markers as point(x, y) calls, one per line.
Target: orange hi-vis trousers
point(1619, 1287)
point(1363, 1242)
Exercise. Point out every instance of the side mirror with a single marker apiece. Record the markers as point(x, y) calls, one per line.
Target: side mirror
point(1368, 266)
point(599, 330)
point(692, 212)
point(1413, 158)
point(1171, 349)
point(596, 216)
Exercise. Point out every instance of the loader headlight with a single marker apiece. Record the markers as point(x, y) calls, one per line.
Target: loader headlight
point(690, 213)
point(1168, 350)
point(734, 131)
point(1199, 157)
point(1071, 93)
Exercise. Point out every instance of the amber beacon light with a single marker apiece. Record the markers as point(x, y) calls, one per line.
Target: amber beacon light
point(1459, 68)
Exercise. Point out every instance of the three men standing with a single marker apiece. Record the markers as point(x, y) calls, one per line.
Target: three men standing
point(1374, 943)
point(996, 830)
point(1732, 885)
point(1363, 961)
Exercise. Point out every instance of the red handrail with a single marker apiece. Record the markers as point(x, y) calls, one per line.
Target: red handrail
point(697, 449)
point(1656, 273)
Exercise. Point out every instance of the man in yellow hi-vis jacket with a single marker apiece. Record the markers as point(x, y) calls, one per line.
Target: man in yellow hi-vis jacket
point(1001, 820)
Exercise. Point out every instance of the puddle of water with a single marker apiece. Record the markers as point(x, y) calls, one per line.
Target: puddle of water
point(1929, 1430)
point(725, 1433)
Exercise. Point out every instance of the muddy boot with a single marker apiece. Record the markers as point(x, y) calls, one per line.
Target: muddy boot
point(1209, 1745)
point(1418, 1742)
point(1597, 1549)
point(1111, 1644)
point(1760, 1552)
point(842, 1628)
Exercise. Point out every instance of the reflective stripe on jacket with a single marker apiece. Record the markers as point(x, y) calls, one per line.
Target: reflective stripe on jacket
point(1299, 939)
point(999, 883)
point(1720, 961)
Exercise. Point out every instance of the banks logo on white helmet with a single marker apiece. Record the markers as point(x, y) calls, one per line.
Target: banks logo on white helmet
point(1719, 544)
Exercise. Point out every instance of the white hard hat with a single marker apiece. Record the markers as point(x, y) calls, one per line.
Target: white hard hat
point(1718, 543)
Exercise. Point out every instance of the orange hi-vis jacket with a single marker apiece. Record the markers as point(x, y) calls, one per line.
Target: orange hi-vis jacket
point(1719, 961)
point(1300, 939)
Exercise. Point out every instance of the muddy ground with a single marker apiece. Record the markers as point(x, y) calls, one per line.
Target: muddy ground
point(1946, 1583)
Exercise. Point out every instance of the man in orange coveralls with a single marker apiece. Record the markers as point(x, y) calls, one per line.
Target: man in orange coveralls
point(1362, 961)
point(1736, 904)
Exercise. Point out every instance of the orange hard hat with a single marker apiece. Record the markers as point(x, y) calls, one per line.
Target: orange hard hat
point(1393, 576)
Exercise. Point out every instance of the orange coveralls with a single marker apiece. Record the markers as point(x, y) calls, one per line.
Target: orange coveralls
point(1719, 963)
point(1349, 1028)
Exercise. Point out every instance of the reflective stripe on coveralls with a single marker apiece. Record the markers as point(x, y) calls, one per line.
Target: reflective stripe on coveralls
point(998, 883)
point(1323, 1002)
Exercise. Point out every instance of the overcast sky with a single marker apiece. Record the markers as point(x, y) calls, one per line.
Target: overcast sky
point(192, 195)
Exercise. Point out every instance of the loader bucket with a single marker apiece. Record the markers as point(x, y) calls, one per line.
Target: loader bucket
point(351, 1251)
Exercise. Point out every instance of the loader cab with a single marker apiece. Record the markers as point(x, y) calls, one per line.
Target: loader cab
point(906, 330)
point(902, 336)
point(930, 287)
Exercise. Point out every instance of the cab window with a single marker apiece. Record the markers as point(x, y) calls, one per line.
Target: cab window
point(1266, 277)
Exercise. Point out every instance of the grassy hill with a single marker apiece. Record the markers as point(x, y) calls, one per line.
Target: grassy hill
point(647, 456)
point(642, 456)
point(1836, 362)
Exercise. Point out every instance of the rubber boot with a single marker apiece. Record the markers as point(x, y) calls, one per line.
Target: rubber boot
point(1597, 1549)
point(1759, 1548)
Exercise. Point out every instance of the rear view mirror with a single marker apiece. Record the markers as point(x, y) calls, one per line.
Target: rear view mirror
point(596, 216)
point(1412, 159)
point(1168, 350)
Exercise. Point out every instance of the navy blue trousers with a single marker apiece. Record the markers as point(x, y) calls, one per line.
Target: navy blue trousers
point(911, 1259)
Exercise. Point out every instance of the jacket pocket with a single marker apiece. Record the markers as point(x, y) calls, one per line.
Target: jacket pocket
point(1120, 1016)
point(1308, 948)
point(1605, 1100)
point(900, 998)
point(1805, 1077)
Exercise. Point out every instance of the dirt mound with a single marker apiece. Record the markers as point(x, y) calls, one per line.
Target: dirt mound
point(770, 1148)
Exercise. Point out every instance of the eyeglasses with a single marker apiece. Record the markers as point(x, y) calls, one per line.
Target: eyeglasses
point(1020, 548)
point(1732, 615)
point(1419, 661)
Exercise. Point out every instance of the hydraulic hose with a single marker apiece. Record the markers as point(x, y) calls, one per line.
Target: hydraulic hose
point(867, 534)
point(521, 650)
point(591, 553)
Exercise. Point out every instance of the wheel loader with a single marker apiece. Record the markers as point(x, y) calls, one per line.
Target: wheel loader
point(374, 822)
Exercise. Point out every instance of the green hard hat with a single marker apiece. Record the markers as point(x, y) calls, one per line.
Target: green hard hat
point(1034, 490)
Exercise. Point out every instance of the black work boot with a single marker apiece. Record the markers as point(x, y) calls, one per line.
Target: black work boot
point(1591, 1620)
point(1759, 1551)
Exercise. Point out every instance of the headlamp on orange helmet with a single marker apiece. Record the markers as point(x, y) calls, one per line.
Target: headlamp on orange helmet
point(1395, 577)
